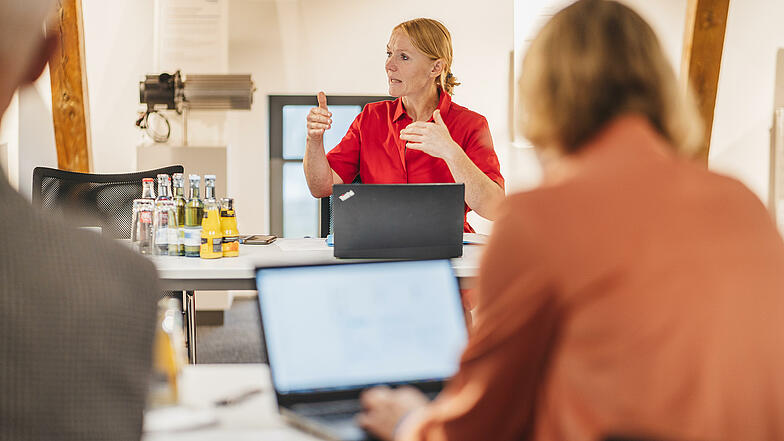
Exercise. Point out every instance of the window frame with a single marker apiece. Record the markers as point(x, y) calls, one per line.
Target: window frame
point(276, 160)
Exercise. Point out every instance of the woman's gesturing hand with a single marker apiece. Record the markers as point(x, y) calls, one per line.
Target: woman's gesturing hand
point(319, 119)
point(432, 138)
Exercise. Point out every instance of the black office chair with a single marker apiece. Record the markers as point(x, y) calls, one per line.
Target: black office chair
point(325, 213)
point(86, 199)
point(325, 216)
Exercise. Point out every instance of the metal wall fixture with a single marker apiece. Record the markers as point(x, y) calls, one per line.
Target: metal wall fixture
point(183, 93)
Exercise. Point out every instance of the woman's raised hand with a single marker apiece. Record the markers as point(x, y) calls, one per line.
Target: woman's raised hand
point(319, 119)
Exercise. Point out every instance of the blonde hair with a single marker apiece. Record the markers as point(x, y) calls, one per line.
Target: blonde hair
point(593, 61)
point(432, 39)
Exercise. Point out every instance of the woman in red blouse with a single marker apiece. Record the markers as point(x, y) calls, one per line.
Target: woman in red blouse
point(421, 137)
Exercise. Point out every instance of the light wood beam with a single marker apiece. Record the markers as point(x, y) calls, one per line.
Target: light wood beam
point(69, 91)
point(703, 43)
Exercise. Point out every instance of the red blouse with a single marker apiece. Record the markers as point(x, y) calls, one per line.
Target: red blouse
point(373, 149)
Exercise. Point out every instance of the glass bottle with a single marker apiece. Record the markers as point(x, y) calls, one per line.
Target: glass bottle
point(211, 236)
point(165, 221)
point(164, 187)
point(179, 202)
point(231, 235)
point(148, 188)
point(142, 226)
point(169, 356)
point(194, 211)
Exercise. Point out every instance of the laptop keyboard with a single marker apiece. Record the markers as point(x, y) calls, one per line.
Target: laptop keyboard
point(336, 409)
point(329, 409)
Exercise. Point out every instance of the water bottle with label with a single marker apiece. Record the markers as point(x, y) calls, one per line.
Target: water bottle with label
point(165, 221)
point(142, 225)
point(180, 201)
point(194, 211)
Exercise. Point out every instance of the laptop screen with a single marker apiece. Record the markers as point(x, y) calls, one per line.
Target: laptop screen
point(344, 326)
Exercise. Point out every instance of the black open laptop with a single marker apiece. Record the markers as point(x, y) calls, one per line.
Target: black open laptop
point(331, 331)
point(398, 221)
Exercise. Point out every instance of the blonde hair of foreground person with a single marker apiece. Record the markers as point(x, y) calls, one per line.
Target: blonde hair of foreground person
point(434, 40)
point(578, 74)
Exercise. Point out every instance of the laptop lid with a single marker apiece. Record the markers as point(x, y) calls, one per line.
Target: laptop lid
point(398, 221)
point(333, 330)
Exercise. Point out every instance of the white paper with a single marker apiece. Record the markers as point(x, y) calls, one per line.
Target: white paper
point(176, 418)
point(475, 238)
point(307, 244)
point(192, 35)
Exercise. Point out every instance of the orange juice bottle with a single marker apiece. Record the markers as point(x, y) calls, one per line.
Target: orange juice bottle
point(231, 235)
point(211, 236)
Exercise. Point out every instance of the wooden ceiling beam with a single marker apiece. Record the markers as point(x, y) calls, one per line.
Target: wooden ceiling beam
point(703, 43)
point(69, 91)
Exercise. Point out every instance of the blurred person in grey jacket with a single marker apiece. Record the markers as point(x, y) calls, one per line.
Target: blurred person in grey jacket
point(77, 312)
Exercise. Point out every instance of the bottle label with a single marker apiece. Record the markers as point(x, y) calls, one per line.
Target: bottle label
point(172, 234)
point(192, 236)
point(211, 247)
point(161, 236)
point(231, 245)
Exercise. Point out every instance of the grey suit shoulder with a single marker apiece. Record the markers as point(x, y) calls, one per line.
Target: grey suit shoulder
point(77, 319)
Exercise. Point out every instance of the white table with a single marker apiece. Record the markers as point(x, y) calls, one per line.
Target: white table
point(188, 274)
point(253, 419)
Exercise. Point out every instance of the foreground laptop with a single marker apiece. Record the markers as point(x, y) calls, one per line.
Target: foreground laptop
point(331, 331)
point(398, 221)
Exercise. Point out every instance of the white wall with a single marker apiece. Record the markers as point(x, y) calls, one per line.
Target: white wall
point(9, 136)
point(28, 131)
point(744, 104)
point(668, 19)
point(36, 132)
point(118, 53)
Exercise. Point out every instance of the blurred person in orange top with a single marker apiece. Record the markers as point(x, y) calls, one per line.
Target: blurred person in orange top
point(77, 311)
point(420, 137)
point(634, 293)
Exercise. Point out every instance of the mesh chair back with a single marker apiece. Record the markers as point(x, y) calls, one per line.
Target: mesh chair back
point(86, 199)
point(325, 216)
point(326, 219)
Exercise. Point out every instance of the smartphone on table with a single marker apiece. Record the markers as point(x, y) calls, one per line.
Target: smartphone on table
point(258, 239)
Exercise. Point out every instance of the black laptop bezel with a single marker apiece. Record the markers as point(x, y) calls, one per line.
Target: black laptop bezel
point(318, 395)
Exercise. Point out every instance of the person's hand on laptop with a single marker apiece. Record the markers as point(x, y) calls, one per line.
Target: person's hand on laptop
point(384, 408)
